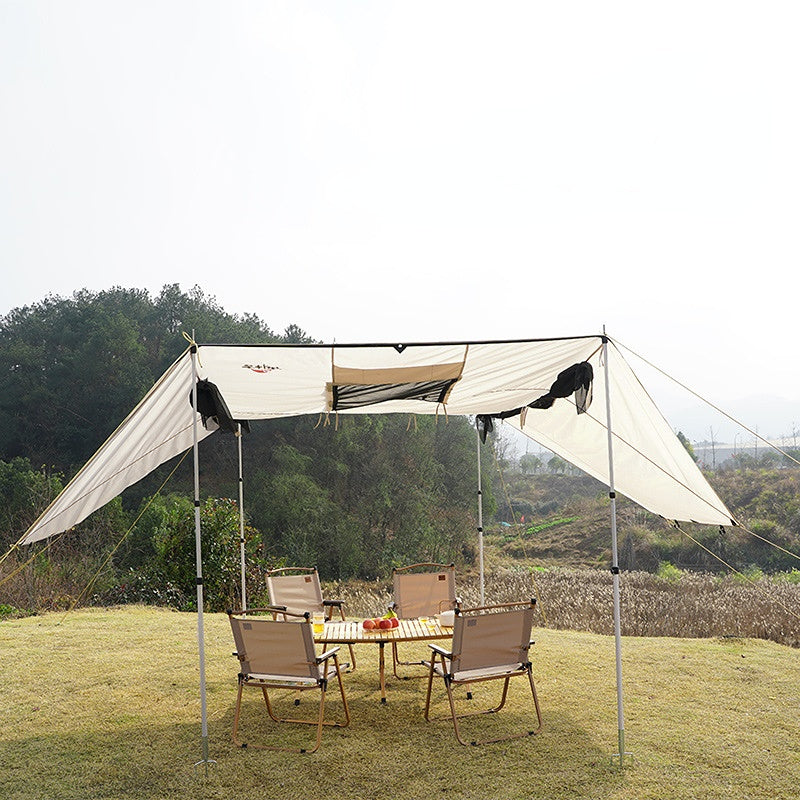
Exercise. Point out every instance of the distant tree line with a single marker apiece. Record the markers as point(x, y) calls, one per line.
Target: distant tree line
point(353, 499)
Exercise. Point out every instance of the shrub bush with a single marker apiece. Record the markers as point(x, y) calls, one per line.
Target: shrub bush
point(669, 572)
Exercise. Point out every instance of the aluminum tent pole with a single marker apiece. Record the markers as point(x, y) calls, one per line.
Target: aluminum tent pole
point(241, 517)
point(199, 564)
point(614, 564)
point(480, 519)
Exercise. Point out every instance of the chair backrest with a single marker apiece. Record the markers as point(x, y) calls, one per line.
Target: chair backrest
point(274, 647)
point(296, 588)
point(486, 638)
point(423, 594)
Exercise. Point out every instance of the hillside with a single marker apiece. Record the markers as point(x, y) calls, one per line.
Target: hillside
point(564, 520)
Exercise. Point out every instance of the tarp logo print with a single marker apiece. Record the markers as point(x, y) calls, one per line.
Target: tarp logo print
point(261, 369)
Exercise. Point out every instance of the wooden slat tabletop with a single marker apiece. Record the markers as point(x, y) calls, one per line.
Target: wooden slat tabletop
point(409, 630)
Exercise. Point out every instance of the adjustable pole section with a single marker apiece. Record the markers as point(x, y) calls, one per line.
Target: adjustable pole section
point(614, 565)
point(199, 563)
point(480, 517)
point(241, 517)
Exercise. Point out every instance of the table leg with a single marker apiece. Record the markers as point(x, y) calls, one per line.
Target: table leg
point(382, 671)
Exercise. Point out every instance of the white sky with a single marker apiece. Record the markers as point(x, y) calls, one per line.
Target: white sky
point(420, 171)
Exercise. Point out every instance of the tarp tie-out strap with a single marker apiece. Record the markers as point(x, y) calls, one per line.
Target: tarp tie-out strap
point(485, 424)
point(211, 405)
point(324, 419)
point(576, 380)
point(193, 346)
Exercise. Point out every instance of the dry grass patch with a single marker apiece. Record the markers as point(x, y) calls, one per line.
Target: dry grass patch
point(104, 704)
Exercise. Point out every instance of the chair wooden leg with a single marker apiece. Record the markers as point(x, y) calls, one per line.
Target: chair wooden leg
point(455, 716)
point(502, 699)
point(236, 715)
point(449, 688)
point(344, 697)
point(352, 658)
point(320, 722)
point(269, 705)
point(430, 684)
point(396, 662)
point(535, 702)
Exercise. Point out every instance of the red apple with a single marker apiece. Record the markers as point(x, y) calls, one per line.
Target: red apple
point(386, 624)
point(395, 622)
point(369, 624)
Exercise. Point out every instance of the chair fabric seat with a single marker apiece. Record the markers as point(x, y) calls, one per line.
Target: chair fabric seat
point(254, 677)
point(477, 674)
point(326, 670)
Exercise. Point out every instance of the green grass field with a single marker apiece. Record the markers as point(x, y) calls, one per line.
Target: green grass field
point(105, 704)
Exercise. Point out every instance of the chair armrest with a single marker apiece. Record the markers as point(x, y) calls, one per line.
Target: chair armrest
point(328, 654)
point(337, 603)
point(277, 610)
point(441, 651)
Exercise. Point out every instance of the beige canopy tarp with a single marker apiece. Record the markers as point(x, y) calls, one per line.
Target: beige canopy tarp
point(257, 382)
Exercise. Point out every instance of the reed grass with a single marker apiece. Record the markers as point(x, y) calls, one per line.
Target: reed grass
point(686, 604)
point(103, 704)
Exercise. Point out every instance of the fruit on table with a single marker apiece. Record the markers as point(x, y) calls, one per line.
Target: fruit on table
point(385, 623)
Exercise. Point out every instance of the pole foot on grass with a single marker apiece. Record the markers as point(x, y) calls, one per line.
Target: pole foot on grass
point(622, 757)
point(204, 763)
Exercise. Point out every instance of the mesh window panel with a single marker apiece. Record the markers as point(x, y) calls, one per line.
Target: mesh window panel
point(355, 395)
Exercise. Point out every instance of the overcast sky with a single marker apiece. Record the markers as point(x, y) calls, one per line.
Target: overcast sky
point(416, 171)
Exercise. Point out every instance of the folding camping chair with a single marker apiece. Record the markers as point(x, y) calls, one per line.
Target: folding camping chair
point(422, 590)
point(489, 643)
point(297, 590)
point(279, 654)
